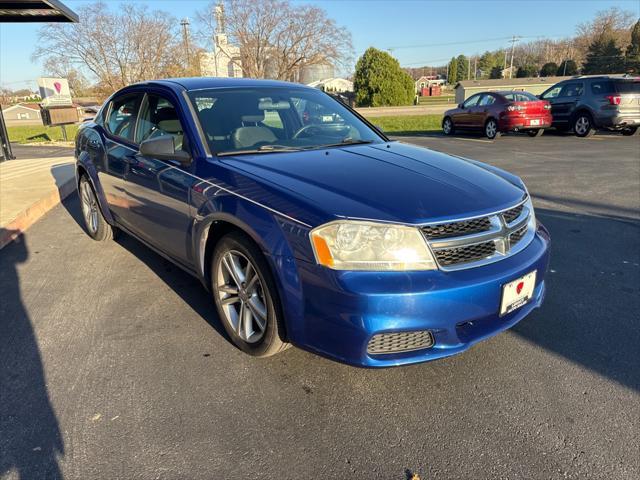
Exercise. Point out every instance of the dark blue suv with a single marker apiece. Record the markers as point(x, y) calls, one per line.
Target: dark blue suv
point(307, 225)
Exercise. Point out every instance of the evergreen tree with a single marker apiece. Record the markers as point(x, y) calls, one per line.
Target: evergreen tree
point(463, 67)
point(452, 74)
point(379, 81)
point(567, 68)
point(603, 57)
point(526, 71)
point(632, 56)
point(496, 72)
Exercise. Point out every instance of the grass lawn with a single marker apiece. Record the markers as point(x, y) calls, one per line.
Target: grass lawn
point(40, 133)
point(409, 124)
point(441, 100)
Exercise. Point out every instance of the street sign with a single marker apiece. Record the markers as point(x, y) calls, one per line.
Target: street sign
point(54, 92)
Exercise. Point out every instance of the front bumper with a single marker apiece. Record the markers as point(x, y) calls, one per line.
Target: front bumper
point(343, 310)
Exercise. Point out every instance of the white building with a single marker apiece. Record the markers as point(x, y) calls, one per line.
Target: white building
point(225, 59)
point(337, 85)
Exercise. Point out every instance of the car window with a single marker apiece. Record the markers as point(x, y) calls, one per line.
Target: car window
point(571, 90)
point(553, 92)
point(521, 97)
point(601, 87)
point(122, 116)
point(487, 100)
point(276, 118)
point(472, 101)
point(159, 117)
point(627, 86)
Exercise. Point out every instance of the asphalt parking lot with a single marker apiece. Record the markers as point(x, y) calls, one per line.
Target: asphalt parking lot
point(114, 364)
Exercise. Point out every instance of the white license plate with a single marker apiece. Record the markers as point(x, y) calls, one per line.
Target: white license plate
point(534, 122)
point(517, 293)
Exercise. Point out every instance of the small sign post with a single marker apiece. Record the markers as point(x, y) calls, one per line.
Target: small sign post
point(56, 107)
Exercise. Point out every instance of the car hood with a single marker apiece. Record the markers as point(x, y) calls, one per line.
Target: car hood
point(392, 182)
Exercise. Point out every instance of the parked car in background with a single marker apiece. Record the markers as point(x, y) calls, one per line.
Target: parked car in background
point(308, 226)
point(586, 104)
point(498, 112)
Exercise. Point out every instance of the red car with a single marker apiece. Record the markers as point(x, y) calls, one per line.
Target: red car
point(498, 112)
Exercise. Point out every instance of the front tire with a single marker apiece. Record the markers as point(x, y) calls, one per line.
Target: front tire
point(491, 129)
point(536, 132)
point(246, 298)
point(583, 125)
point(94, 222)
point(447, 126)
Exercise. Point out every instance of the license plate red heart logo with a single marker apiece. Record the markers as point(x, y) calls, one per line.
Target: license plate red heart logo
point(519, 287)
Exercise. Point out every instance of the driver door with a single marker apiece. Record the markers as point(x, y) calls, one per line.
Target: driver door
point(464, 117)
point(158, 190)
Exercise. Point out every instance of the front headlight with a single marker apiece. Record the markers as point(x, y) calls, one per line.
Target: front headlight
point(532, 214)
point(356, 245)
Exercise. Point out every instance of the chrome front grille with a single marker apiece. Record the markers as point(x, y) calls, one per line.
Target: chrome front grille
point(382, 343)
point(473, 242)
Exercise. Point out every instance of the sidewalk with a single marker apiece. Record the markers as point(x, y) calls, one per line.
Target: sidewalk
point(29, 188)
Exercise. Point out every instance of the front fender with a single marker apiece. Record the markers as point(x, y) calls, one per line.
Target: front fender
point(84, 164)
point(268, 230)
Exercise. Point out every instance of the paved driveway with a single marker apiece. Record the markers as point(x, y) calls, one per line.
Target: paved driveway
point(114, 365)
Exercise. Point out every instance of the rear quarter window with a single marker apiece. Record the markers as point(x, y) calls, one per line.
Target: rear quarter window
point(602, 88)
point(628, 87)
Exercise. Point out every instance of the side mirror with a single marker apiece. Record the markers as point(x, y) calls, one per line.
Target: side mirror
point(163, 148)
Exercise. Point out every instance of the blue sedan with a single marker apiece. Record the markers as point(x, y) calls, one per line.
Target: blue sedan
point(307, 225)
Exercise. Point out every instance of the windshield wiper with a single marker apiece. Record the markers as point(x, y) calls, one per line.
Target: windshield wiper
point(261, 149)
point(346, 141)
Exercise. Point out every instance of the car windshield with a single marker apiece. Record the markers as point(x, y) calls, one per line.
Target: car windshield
point(264, 120)
point(521, 97)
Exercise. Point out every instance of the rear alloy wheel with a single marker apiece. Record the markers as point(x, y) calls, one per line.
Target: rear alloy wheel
point(583, 125)
point(536, 132)
point(246, 297)
point(447, 126)
point(630, 131)
point(94, 223)
point(491, 129)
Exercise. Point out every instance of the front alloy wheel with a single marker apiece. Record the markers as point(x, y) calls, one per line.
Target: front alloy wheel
point(246, 297)
point(583, 125)
point(95, 224)
point(447, 126)
point(491, 129)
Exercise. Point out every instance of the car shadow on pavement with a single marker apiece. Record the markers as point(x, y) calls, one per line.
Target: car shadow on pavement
point(30, 438)
point(189, 288)
point(590, 315)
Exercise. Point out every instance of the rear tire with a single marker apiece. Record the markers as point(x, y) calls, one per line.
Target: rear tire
point(629, 131)
point(447, 126)
point(246, 297)
point(491, 129)
point(583, 125)
point(536, 132)
point(94, 222)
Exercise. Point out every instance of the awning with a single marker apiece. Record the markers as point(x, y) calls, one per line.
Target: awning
point(35, 11)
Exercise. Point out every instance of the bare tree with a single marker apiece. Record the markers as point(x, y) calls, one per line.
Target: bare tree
point(115, 48)
point(612, 23)
point(278, 39)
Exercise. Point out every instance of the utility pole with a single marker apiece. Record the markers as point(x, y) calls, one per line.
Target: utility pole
point(185, 38)
point(513, 41)
point(475, 67)
point(469, 68)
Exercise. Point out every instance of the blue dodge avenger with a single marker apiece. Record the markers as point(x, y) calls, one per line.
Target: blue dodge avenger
point(307, 225)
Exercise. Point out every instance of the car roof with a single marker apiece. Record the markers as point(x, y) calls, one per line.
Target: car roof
point(198, 83)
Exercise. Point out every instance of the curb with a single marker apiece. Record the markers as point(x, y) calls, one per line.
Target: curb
point(35, 212)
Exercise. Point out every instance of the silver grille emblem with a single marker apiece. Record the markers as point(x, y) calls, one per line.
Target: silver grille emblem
point(503, 242)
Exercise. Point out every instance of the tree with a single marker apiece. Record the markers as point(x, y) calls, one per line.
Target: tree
point(632, 55)
point(496, 72)
point(603, 57)
point(549, 69)
point(526, 71)
point(379, 81)
point(463, 67)
point(612, 23)
point(489, 60)
point(452, 73)
point(278, 39)
point(567, 68)
point(117, 49)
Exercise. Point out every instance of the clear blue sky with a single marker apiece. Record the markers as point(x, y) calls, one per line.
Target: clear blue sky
point(380, 23)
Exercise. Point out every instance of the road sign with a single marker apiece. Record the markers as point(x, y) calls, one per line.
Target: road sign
point(54, 92)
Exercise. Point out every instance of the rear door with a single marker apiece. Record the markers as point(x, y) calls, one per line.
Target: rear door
point(483, 110)
point(119, 125)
